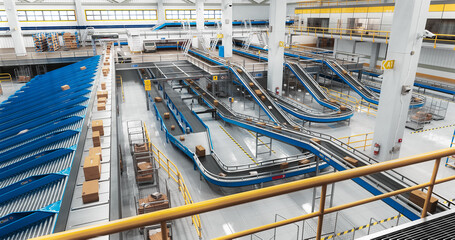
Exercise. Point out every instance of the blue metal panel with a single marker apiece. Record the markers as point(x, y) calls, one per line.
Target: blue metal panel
point(34, 161)
point(30, 184)
point(26, 148)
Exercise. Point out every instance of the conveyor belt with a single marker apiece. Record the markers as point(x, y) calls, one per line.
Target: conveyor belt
point(195, 124)
point(163, 108)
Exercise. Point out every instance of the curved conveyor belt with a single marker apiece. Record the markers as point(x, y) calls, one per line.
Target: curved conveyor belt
point(325, 147)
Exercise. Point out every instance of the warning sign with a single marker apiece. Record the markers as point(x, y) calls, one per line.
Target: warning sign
point(387, 64)
point(147, 85)
point(215, 78)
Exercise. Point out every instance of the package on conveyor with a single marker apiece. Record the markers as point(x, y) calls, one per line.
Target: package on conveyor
point(418, 197)
point(105, 70)
point(316, 140)
point(263, 98)
point(284, 165)
point(92, 167)
point(90, 191)
point(200, 151)
point(343, 108)
point(102, 100)
point(258, 92)
point(101, 94)
point(101, 106)
point(103, 85)
point(96, 151)
point(138, 148)
point(276, 128)
point(304, 161)
point(167, 115)
point(158, 99)
point(172, 127)
point(83, 67)
point(351, 160)
point(96, 138)
point(145, 167)
point(97, 125)
point(216, 103)
point(65, 87)
point(182, 138)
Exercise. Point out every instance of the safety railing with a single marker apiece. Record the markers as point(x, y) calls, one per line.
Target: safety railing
point(367, 107)
point(320, 3)
point(119, 80)
point(174, 174)
point(5, 77)
point(359, 105)
point(369, 33)
point(7, 58)
point(161, 217)
point(357, 141)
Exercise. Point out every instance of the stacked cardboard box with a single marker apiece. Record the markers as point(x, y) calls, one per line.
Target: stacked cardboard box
point(145, 172)
point(96, 139)
point(97, 125)
point(150, 204)
point(70, 40)
point(90, 191)
point(92, 167)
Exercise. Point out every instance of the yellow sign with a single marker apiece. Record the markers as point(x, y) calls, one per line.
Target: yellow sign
point(281, 44)
point(387, 64)
point(219, 36)
point(215, 78)
point(147, 85)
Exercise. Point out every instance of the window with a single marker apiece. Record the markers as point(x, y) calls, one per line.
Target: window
point(185, 14)
point(118, 15)
point(44, 15)
point(3, 16)
point(318, 22)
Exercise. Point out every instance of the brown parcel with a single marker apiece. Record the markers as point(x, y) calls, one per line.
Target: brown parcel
point(96, 139)
point(96, 151)
point(158, 99)
point(258, 92)
point(284, 165)
point(101, 94)
point(418, 197)
point(103, 85)
point(90, 191)
point(145, 167)
point(65, 87)
point(101, 106)
point(167, 115)
point(200, 151)
point(97, 125)
point(102, 100)
point(351, 161)
point(318, 141)
point(92, 167)
point(304, 161)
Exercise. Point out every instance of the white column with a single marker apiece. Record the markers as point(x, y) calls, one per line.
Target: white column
point(161, 12)
point(80, 15)
point(404, 47)
point(226, 24)
point(15, 28)
point(200, 15)
point(374, 55)
point(277, 29)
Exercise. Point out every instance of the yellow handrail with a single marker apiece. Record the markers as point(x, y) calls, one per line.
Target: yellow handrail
point(174, 173)
point(354, 140)
point(120, 79)
point(258, 194)
point(335, 3)
point(362, 33)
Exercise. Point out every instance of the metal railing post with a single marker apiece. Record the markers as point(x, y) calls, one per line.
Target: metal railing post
point(430, 188)
point(321, 211)
point(168, 170)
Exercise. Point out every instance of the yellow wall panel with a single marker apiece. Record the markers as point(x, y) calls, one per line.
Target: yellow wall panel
point(449, 8)
point(360, 10)
point(315, 11)
point(375, 9)
point(325, 10)
point(389, 9)
point(335, 10)
point(437, 8)
point(347, 10)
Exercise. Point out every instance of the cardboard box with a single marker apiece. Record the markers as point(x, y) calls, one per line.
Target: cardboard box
point(105, 70)
point(102, 100)
point(103, 86)
point(343, 108)
point(332, 101)
point(203, 94)
point(65, 87)
point(101, 106)
point(101, 94)
point(182, 138)
point(304, 161)
point(248, 119)
point(90, 191)
point(200, 151)
point(21, 79)
point(284, 165)
point(92, 167)
point(96, 151)
point(172, 127)
point(222, 174)
point(145, 168)
point(97, 125)
point(138, 148)
point(144, 177)
point(239, 70)
point(263, 98)
point(296, 128)
point(166, 115)
point(258, 92)
point(158, 99)
point(276, 128)
point(27, 78)
point(316, 140)
point(261, 124)
point(418, 197)
point(83, 68)
point(251, 84)
point(96, 139)
point(216, 103)
point(351, 160)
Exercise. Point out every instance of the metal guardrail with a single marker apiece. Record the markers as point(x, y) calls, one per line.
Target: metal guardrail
point(254, 195)
point(5, 77)
point(354, 140)
point(120, 80)
point(174, 173)
point(8, 57)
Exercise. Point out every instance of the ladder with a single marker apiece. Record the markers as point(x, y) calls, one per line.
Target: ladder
point(89, 31)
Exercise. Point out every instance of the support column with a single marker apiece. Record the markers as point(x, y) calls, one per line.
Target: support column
point(15, 28)
point(80, 16)
point(200, 15)
point(226, 24)
point(277, 29)
point(374, 55)
point(161, 12)
point(404, 47)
